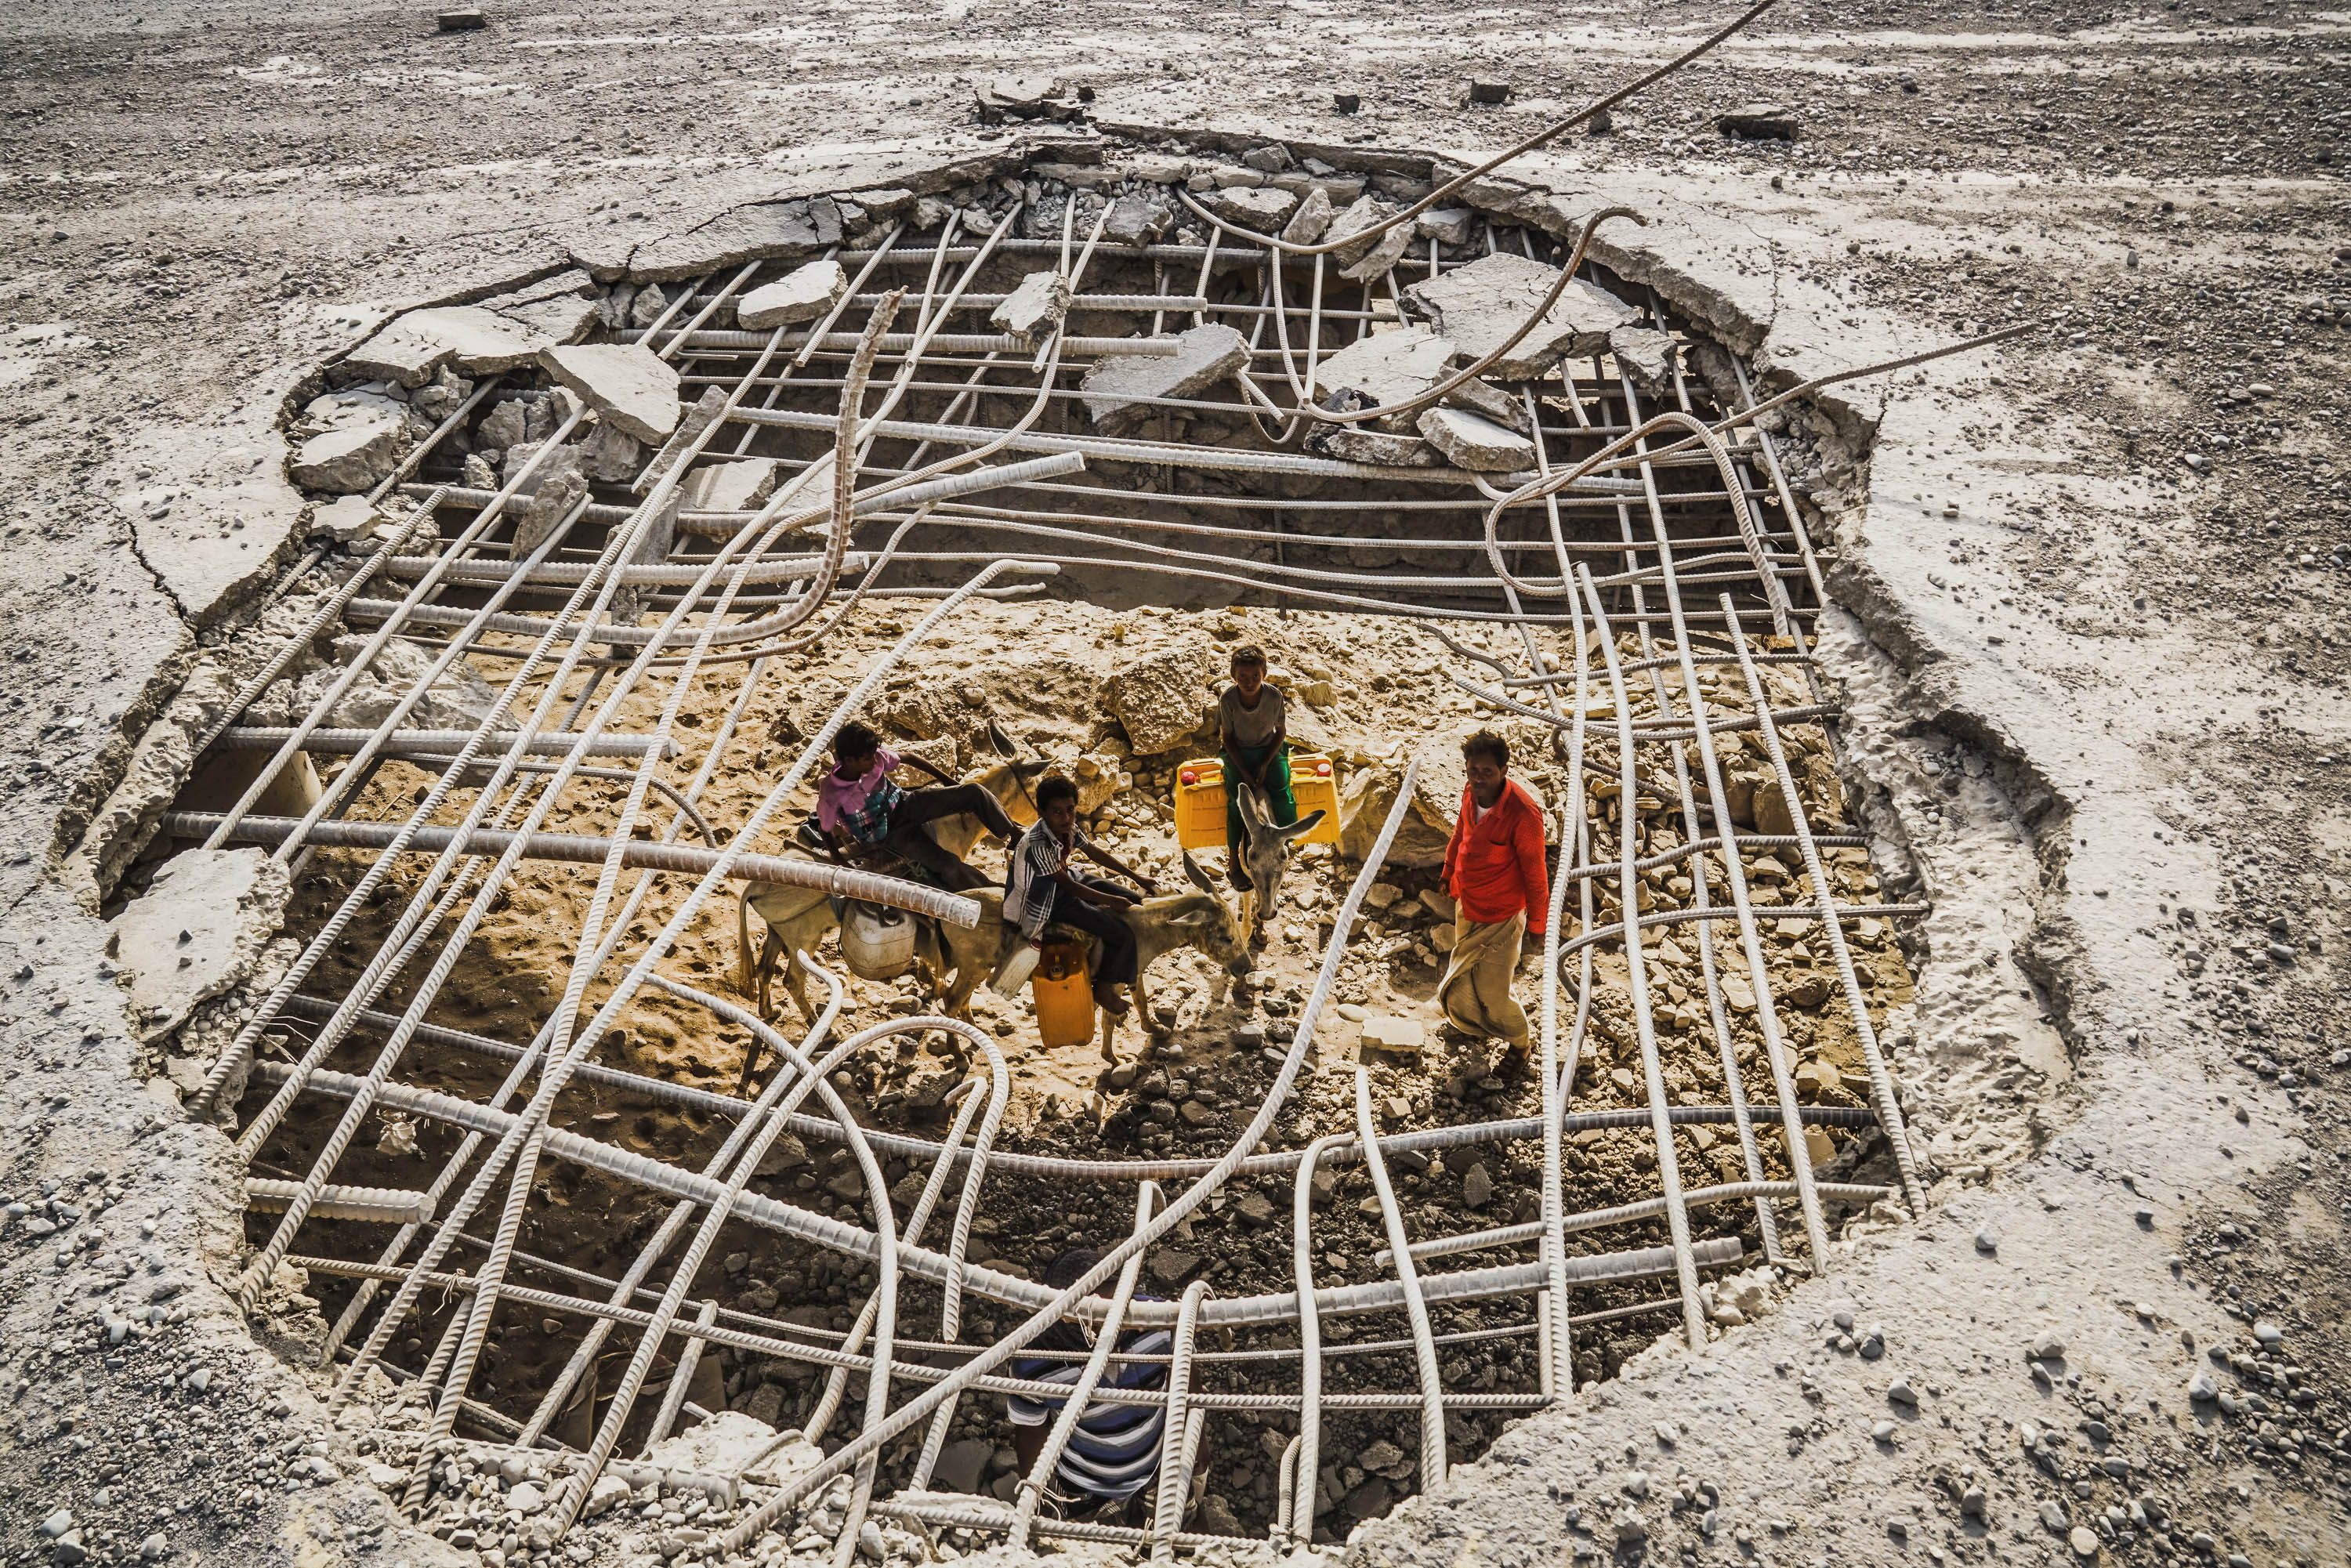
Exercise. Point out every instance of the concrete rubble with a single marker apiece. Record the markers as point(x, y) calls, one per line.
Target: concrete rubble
point(801, 295)
point(1204, 357)
point(1482, 305)
point(1474, 442)
point(1034, 308)
point(196, 932)
point(1647, 355)
point(627, 383)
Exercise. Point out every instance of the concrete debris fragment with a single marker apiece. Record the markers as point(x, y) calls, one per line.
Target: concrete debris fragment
point(706, 412)
point(801, 295)
point(1135, 221)
point(1474, 442)
point(466, 19)
point(1489, 93)
point(197, 931)
point(1261, 209)
point(1481, 305)
point(736, 486)
point(419, 342)
point(1646, 355)
point(1031, 95)
point(358, 452)
point(1035, 307)
point(1385, 367)
point(1445, 225)
point(1360, 443)
point(609, 454)
point(561, 485)
point(344, 519)
point(647, 307)
point(1403, 1036)
point(1312, 221)
point(627, 383)
point(1759, 122)
point(1158, 700)
point(1372, 255)
point(1346, 102)
point(760, 230)
point(1204, 357)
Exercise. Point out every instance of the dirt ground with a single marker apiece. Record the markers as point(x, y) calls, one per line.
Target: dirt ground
point(2137, 664)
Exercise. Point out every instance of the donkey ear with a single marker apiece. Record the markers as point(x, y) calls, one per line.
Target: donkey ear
point(1304, 824)
point(1252, 808)
point(999, 741)
point(1031, 768)
point(1196, 876)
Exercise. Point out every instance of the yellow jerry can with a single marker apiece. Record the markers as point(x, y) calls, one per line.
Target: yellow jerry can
point(1063, 994)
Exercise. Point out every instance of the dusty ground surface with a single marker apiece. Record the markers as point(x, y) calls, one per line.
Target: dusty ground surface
point(2107, 681)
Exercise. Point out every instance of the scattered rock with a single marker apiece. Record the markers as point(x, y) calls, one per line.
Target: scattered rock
point(1136, 222)
point(1477, 1186)
point(1204, 356)
point(356, 456)
point(1034, 309)
point(1312, 219)
point(467, 19)
point(1647, 356)
point(1987, 1239)
point(2085, 1542)
point(198, 930)
point(626, 383)
point(1262, 209)
point(1445, 225)
point(1476, 443)
point(1489, 93)
point(1480, 306)
point(1759, 122)
point(802, 295)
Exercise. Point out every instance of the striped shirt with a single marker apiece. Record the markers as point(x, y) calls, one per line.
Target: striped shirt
point(1114, 1452)
point(1030, 889)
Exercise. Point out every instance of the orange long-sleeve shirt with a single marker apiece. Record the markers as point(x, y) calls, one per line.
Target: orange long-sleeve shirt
point(1494, 866)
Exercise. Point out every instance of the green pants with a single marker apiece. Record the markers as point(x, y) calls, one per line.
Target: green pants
point(1278, 794)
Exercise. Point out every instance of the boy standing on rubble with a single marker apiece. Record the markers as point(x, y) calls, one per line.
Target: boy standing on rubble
point(1253, 739)
point(1494, 869)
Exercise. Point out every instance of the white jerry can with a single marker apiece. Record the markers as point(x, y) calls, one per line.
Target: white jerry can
point(877, 942)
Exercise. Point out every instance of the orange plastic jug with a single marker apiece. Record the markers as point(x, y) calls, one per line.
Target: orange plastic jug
point(1063, 994)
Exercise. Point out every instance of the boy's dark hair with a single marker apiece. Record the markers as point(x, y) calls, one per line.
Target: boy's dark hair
point(1249, 654)
point(1486, 743)
point(855, 740)
point(1054, 787)
point(1070, 1267)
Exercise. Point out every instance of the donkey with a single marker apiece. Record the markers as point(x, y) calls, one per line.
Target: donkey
point(798, 918)
point(1265, 853)
point(1204, 920)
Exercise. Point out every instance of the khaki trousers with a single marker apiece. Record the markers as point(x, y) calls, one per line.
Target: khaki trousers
point(1476, 990)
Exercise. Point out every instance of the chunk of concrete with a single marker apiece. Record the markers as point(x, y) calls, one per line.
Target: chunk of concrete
point(1482, 305)
point(1035, 307)
point(1445, 225)
point(466, 19)
point(1402, 1036)
point(1360, 443)
point(801, 295)
point(771, 229)
point(352, 458)
point(1312, 221)
point(1472, 441)
point(626, 383)
point(196, 933)
point(1373, 254)
point(420, 342)
point(1385, 367)
point(738, 486)
point(561, 485)
point(344, 520)
point(1261, 209)
point(1647, 354)
point(1135, 222)
point(1204, 357)
point(610, 455)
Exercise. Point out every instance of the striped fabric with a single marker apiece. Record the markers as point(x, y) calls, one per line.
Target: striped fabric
point(1114, 1452)
point(1030, 889)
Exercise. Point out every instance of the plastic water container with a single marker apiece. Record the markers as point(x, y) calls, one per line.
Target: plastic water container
point(1063, 995)
point(1200, 804)
point(1200, 799)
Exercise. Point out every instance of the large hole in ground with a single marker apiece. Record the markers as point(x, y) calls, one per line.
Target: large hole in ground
point(1370, 590)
